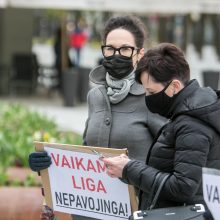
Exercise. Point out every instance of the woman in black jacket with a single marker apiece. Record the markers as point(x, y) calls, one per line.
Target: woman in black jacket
point(189, 141)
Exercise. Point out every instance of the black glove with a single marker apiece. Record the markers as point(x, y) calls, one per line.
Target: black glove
point(39, 161)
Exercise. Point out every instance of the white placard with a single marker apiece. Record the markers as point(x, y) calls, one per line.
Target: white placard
point(79, 185)
point(211, 190)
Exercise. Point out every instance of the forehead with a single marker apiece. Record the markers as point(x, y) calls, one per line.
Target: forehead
point(120, 37)
point(149, 83)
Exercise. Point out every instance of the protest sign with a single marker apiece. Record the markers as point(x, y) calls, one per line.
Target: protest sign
point(77, 183)
point(211, 190)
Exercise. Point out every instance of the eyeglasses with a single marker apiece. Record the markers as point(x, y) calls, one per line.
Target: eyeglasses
point(126, 51)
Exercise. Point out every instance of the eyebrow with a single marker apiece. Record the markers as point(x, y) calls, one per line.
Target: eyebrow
point(123, 45)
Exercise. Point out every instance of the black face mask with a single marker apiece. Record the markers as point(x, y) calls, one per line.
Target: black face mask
point(160, 102)
point(118, 66)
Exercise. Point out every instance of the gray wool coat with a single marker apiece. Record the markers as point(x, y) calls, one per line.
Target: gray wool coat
point(128, 124)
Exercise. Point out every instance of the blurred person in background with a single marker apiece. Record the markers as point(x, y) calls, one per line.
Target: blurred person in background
point(186, 143)
point(58, 55)
point(61, 49)
point(78, 38)
point(118, 116)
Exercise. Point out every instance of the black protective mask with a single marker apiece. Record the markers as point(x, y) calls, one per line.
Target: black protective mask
point(118, 66)
point(160, 102)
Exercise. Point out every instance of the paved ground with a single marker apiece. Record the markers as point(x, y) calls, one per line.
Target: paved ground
point(67, 118)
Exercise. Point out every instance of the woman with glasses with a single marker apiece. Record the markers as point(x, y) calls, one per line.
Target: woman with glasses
point(117, 117)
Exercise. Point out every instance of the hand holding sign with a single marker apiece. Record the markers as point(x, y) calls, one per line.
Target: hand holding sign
point(39, 161)
point(115, 165)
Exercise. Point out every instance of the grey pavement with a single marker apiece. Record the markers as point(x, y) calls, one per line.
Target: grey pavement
point(67, 118)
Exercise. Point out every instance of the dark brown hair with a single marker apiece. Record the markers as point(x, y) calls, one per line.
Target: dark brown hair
point(164, 63)
point(130, 23)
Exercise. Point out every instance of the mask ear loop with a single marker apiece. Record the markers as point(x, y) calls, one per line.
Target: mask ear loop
point(165, 88)
point(174, 91)
point(136, 63)
point(138, 52)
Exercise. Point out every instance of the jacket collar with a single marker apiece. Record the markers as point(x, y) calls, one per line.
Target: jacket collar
point(193, 97)
point(201, 103)
point(97, 76)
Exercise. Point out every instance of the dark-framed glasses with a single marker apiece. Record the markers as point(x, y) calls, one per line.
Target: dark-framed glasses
point(126, 51)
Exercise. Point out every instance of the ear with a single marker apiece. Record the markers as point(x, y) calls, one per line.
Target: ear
point(177, 85)
point(140, 54)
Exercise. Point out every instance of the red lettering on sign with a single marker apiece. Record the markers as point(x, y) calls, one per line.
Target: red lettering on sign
point(56, 160)
point(72, 162)
point(100, 166)
point(74, 183)
point(79, 164)
point(65, 162)
point(90, 166)
point(88, 184)
point(101, 187)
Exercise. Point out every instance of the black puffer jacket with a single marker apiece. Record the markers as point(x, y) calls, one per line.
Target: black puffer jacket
point(188, 142)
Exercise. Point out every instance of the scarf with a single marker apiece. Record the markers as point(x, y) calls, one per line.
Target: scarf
point(118, 89)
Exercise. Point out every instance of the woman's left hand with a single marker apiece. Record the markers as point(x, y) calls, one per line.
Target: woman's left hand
point(115, 165)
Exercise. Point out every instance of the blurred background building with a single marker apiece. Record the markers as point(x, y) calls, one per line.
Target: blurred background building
point(35, 49)
point(38, 67)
